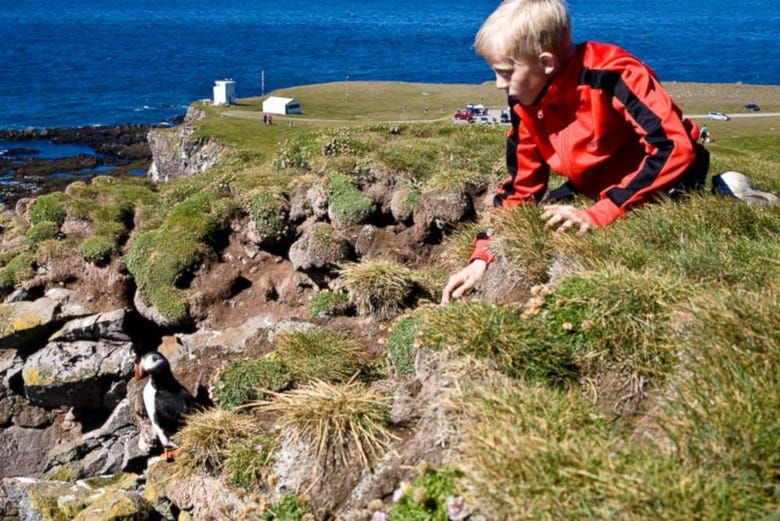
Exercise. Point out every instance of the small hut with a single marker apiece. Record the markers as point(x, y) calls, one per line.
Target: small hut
point(283, 106)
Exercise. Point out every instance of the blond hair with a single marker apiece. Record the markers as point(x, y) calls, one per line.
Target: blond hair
point(524, 29)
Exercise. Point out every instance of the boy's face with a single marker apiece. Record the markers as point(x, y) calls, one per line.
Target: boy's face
point(522, 80)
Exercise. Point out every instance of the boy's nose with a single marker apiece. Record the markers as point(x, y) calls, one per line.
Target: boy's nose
point(501, 83)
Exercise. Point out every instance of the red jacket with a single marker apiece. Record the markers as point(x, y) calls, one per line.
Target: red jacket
point(605, 123)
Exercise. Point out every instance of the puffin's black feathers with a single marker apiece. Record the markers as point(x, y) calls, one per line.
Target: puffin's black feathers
point(171, 404)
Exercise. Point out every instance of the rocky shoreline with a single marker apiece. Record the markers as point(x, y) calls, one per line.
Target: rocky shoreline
point(118, 150)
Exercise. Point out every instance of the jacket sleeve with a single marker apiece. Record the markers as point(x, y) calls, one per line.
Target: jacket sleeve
point(669, 151)
point(527, 182)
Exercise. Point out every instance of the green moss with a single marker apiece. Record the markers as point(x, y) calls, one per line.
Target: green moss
point(18, 269)
point(328, 303)
point(246, 380)
point(269, 211)
point(97, 248)
point(159, 258)
point(289, 507)
point(348, 204)
point(249, 462)
point(401, 343)
point(41, 231)
point(49, 208)
point(320, 354)
point(426, 499)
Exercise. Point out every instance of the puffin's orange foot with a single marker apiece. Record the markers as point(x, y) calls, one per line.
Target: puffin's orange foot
point(170, 454)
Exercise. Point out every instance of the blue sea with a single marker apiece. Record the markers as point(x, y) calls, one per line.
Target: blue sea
point(87, 62)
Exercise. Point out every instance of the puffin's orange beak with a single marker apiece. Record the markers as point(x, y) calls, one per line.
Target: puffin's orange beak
point(138, 373)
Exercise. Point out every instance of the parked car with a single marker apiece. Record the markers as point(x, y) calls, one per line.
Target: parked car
point(720, 116)
point(484, 120)
point(505, 117)
point(463, 115)
point(752, 107)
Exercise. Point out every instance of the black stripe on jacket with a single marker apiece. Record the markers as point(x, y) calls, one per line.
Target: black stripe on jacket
point(512, 142)
point(611, 82)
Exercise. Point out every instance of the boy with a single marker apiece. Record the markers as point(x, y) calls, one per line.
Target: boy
point(591, 112)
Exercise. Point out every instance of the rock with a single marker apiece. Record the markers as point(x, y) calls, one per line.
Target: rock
point(17, 295)
point(23, 451)
point(22, 205)
point(179, 153)
point(151, 313)
point(30, 416)
point(292, 287)
point(204, 497)
point(10, 366)
point(379, 184)
point(39, 500)
point(69, 307)
point(309, 201)
point(402, 204)
point(320, 246)
point(117, 505)
point(441, 209)
point(76, 374)
point(106, 326)
point(24, 323)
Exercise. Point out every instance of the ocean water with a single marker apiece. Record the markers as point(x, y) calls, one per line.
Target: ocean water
point(88, 62)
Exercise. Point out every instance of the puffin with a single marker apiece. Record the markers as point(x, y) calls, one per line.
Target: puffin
point(166, 400)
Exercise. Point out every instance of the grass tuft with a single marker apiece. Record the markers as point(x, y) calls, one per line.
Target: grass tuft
point(329, 303)
point(206, 439)
point(18, 269)
point(379, 287)
point(499, 334)
point(42, 231)
point(289, 507)
point(401, 343)
point(337, 421)
point(318, 354)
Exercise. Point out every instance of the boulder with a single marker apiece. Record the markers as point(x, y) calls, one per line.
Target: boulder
point(441, 209)
point(77, 374)
point(117, 505)
point(23, 451)
point(320, 246)
point(39, 500)
point(309, 201)
point(111, 449)
point(24, 323)
point(379, 183)
point(106, 326)
point(402, 204)
point(151, 313)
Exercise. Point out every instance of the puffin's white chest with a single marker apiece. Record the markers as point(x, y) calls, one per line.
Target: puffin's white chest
point(149, 394)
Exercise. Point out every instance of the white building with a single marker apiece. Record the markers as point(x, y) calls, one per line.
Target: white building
point(224, 92)
point(277, 105)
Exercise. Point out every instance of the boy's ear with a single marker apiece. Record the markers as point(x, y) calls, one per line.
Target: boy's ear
point(549, 62)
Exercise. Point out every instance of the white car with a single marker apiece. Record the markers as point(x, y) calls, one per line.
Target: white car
point(720, 116)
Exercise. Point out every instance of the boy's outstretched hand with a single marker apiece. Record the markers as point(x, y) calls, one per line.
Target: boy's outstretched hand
point(565, 217)
point(463, 281)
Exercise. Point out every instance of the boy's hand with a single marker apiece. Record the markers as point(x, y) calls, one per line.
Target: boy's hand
point(565, 217)
point(463, 281)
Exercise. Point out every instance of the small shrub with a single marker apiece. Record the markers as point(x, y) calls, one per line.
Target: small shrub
point(97, 248)
point(249, 462)
point(49, 208)
point(336, 421)
point(206, 438)
point(499, 334)
point(294, 153)
point(289, 507)
point(42, 231)
point(320, 354)
point(328, 303)
point(246, 380)
point(347, 202)
point(430, 282)
point(401, 343)
point(269, 212)
point(427, 497)
point(18, 269)
point(378, 287)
